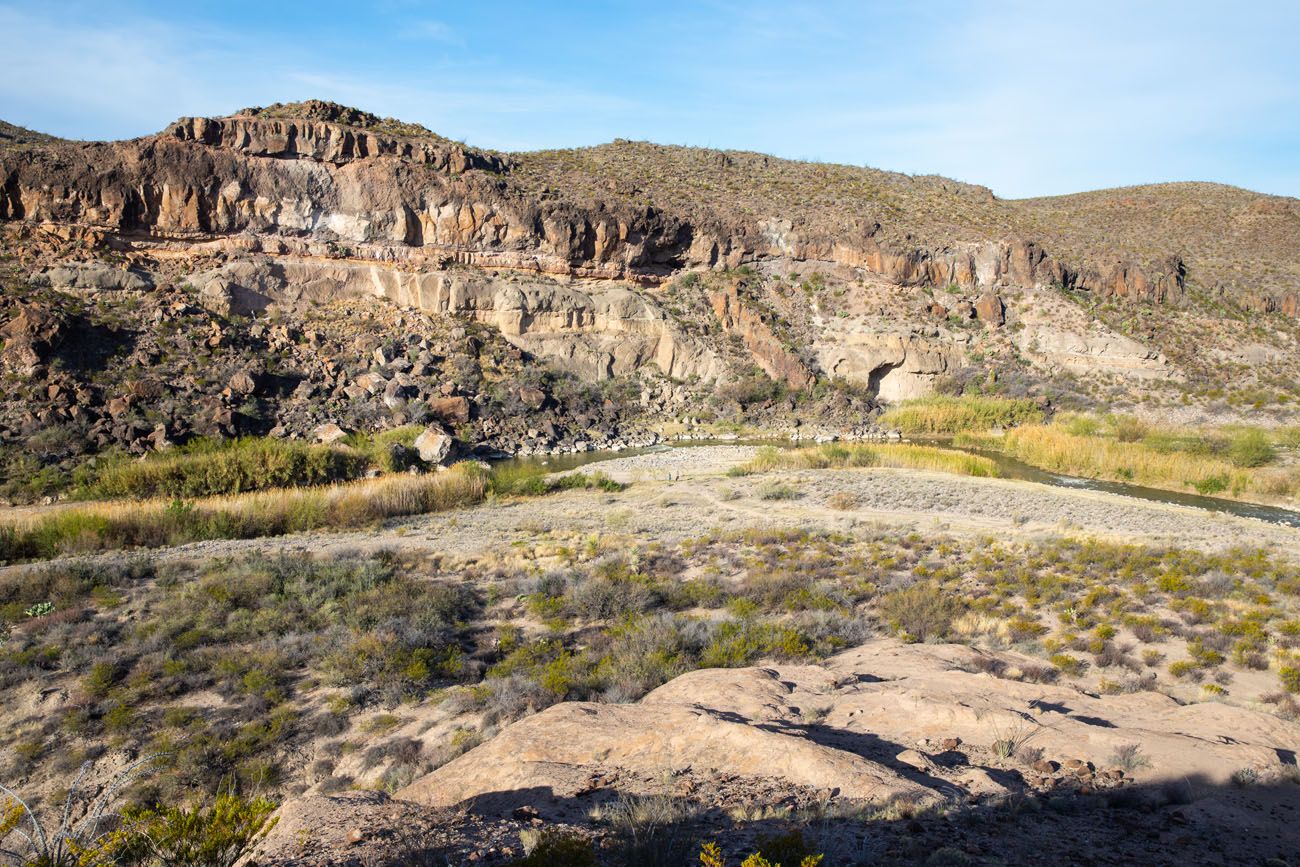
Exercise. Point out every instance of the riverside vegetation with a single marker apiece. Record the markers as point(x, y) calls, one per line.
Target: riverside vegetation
point(1238, 461)
point(273, 512)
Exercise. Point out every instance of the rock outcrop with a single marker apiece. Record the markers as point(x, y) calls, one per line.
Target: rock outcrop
point(883, 723)
point(1091, 353)
point(739, 318)
point(895, 365)
point(27, 338)
point(569, 255)
point(293, 181)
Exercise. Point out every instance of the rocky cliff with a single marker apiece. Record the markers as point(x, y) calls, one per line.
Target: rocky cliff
point(579, 257)
point(298, 183)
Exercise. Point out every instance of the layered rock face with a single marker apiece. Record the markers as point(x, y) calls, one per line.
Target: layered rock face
point(299, 186)
point(328, 202)
point(395, 199)
point(595, 329)
point(877, 699)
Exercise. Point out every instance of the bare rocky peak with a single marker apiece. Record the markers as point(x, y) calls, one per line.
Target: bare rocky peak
point(343, 115)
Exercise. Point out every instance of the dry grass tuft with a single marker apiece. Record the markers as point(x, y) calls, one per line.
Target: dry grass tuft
point(948, 415)
point(154, 523)
point(894, 455)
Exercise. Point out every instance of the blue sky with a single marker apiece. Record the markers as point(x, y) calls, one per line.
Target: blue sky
point(1030, 98)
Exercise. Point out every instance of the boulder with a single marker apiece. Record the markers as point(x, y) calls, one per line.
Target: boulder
point(243, 383)
point(329, 433)
point(990, 310)
point(433, 445)
point(450, 410)
point(27, 339)
point(533, 398)
point(373, 383)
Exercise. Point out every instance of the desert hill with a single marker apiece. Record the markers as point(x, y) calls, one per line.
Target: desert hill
point(687, 284)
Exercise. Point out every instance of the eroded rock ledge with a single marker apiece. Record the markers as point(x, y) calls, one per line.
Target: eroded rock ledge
point(292, 178)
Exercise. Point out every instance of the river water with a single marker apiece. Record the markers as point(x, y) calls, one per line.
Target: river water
point(1008, 468)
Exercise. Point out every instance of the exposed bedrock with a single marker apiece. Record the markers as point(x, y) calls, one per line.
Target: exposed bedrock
point(896, 366)
point(595, 329)
point(286, 179)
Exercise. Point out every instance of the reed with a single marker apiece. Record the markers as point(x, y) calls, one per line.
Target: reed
point(158, 522)
point(844, 455)
point(1149, 461)
point(204, 468)
point(949, 415)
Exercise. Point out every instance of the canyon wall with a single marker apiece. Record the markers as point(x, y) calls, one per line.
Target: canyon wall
point(384, 197)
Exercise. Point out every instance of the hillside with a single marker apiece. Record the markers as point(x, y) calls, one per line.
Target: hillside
point(14, 137)
point(638, 505)
point(687, 286)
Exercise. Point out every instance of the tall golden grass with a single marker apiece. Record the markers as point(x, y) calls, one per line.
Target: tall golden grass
point(1055, 448)
point(894, 455)
point(205, 468)
point(153, 523)
point(947, 415)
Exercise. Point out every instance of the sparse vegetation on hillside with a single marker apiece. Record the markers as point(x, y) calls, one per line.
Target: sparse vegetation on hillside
point(90, 832)
point(332, 112)
point(12, 136)
point(302, 652)
point(1153, 221)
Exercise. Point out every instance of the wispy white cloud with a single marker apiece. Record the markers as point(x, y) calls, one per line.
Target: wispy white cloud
point(430, 30)
point(1027, 97)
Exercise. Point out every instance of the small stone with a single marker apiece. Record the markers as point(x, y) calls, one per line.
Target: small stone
point(914, 759)
point(525, 813)
point(1045, 766)
point(950, 744)
point(355, 836)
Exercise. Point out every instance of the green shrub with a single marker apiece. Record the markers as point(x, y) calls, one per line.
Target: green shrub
point(1251, 448)
point(552, 848)
point(778, 491)
point(218, 835)
point(1067, 664)
point(919, 613)
point(533, 480)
